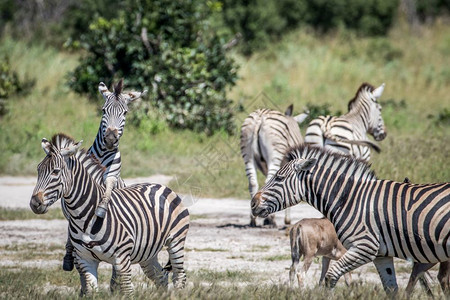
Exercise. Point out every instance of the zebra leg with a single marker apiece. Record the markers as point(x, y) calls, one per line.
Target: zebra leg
point(386, 270)
point(68, 258)
point(287, 216)
point(88, 275)
point(418, 272)
point(325, 266)
point(355, 257)
point(252, 185)
point(123, 276)
point(154, 271)
point(110, 183)
point(176, 258)
point(444, 277)
point(114, 284)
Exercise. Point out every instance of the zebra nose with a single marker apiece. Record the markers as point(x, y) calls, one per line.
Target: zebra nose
point(111, 136)
point(256, 200)
point(36, 202)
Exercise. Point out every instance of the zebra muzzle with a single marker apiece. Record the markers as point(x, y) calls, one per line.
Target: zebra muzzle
point(37, 204)
point(111, 138)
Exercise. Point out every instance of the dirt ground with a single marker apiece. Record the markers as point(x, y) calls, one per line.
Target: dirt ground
point(219, 238)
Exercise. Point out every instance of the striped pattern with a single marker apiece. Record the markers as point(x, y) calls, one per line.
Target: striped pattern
point(348, 133)
point(142, 218)
point(265, 136)
point(106, 147)
point(374, 219)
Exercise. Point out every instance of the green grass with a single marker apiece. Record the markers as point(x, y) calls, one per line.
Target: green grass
point(8, 214)
point(302, 68)
point(35, 283)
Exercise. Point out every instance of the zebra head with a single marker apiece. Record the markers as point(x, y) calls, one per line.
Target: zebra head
point(366, 100)
point(282, 190)
point(53, 174)
point(114, 112)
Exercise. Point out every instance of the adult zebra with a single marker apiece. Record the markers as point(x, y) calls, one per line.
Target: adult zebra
point(106, 147)
point(266, 134)
point(375, 220)
point(347, 133)
point(142, 218)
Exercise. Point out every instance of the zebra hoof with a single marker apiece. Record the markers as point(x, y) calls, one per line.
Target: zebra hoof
point(253, 223)
point(100, 212)
point(270, 222)
point(68, 262)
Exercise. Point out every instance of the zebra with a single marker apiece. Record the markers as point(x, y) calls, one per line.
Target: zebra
point(266, 134)
point(142, 218)
point(374, 219)
point(347, 133)
point(106, 147)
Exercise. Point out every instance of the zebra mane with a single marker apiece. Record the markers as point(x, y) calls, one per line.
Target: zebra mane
point(363, 88)
point(330, 159)
point(89, 161)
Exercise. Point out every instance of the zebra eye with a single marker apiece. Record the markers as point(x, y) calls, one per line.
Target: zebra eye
point(56, 172)
point(280, 176)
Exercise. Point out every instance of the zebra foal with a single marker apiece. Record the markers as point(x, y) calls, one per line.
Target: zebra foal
point(374, 219)
point(142, 218)
point(266, 134)
point(348, 133)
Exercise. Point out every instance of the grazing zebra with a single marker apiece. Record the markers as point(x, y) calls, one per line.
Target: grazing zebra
point(347, 133)
point(375, 220)
point(106, 147)
point(266, 134)
point(142, 218)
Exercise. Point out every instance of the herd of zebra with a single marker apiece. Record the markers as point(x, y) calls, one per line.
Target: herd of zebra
point(375, 220)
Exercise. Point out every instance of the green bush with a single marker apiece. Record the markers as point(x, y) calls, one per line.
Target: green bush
point(10, 84)
point(167, 47)
point(260, 21)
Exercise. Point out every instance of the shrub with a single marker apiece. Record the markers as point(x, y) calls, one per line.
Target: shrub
point(262, 21)
point(10, 84)
point(165, 46)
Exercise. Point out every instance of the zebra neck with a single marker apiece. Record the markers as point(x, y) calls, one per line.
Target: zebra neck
point(84, 195)
point(359, 118)
point(332, 193)
point(98, 148)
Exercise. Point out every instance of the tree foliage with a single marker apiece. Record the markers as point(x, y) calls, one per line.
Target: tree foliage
point(167, 47)
point(262, 21)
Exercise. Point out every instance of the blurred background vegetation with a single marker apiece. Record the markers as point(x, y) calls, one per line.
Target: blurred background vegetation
point(207, 64)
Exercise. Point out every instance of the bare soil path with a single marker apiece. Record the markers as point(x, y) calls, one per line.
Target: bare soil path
point(219, 239)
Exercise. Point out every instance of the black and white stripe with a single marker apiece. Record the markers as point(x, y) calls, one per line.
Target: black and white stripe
point(142, 218)
point(106, 147)
point(266, 134)
point(375, 220)
point(348, 133)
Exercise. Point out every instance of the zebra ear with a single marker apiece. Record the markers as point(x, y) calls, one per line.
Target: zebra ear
point(305, 164)
point(289, 110)
point(71, 150)
point(131, 96)
point(46, 145)
point(301, 117)
point(103, 89)
point(378, 91)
